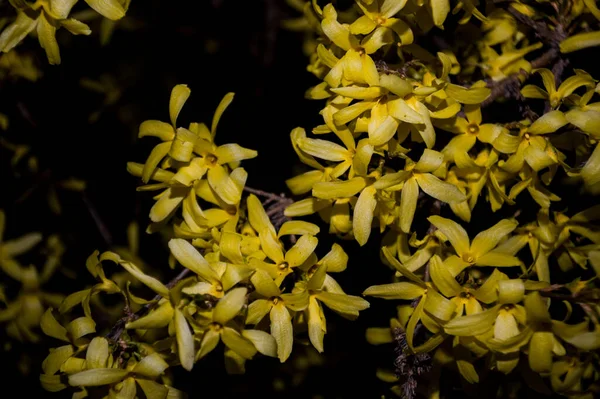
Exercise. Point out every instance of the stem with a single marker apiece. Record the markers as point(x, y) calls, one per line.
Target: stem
point(104, 232)
point(119, 328)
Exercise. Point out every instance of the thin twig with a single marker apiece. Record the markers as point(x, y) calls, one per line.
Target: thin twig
point(275, 206)
point(117, 330)
point(100, 225)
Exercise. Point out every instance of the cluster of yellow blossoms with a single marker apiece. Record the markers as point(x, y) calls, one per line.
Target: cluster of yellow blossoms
point(402, 134)
point(45, 17)
point(406, 135)
point(241, 285)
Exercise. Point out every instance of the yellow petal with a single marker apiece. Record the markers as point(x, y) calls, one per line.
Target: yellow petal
point(111, 9)
point(185, 340)
point(159, 317)
point(258, 309)
point(580, 41)
point(494, 258)
point(47, 36)
point(402, 290)
point(475, 95)
point(301, 250)
point(472, 325)
point(429, 161)
point(359, 93)
point(511, 291)
point(384, 132)
point(323, 149)
point(338, 189)
point(223, 185)
point(442, 278)
point(97, 353)
point(362, 26)
point(439, 10)
point(152, 283)
point(438, 306)
point(487, 240)
point(352, 112)
point(439, 189)
point(151, 366)
point(282, 331)
point(17, 31)
point(400, 110)
point(51, 327)
point(307, 206)
point(264, 284)
point(210, 340)
point(231, 153)
point(262, 341)
point(341, 303)
point(316, 324)
point(588, 121)
point(408, 203)
point(156, 156)
point(190, 258)
point(548, 123)
point(336, 259)
point(230, 305)
point(335, 31)
point(240, 345)
point(257, 216)
point(396, 85)
point(455, 233)
point(97, 377)
point(167, 203)
point(591, 170)
point(540, 351)
point(363, 215)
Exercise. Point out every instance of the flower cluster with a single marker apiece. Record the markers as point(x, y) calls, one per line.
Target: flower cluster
point(45, 17)
point(241, 283)
point(404, 133)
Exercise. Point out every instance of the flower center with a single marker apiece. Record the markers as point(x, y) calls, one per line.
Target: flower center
point(468, 258)
point(216, 327)
point(473, 128)
point(508, 307)
point(527, 136)
point(275, 300)
point(211, 159)
point(219, 288)
point(465, 295)
point(380, 20)
point(283, 266)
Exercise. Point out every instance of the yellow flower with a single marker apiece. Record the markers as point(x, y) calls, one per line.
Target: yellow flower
point(379, 17)
point(555, 96)
point(483, 172)
point(530, 146)
point(468, 131)
point(480, 252)
point(322, 288)
point(278, 306)
point(44, 16)
point(419, 176)
point(194, 154)
point(432, 308)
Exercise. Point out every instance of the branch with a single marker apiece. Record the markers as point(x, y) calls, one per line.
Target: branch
point(275, 205)
point(510, 86)
point(119, 328)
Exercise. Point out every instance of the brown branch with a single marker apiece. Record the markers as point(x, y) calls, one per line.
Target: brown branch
point(119, 328)
point(275, 205)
